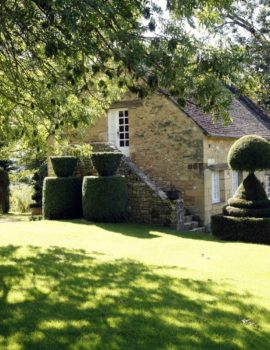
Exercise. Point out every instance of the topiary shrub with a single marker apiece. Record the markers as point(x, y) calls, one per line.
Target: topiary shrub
point(62, 198)
point(246, 229)
point(247, 215)
point(249, 153)
point(251, 189)
point(38, 180)
point(249, 212)
point(106, 163)
point(243, 203)
point(105, 198)
point(4, 191)
point(63, 166)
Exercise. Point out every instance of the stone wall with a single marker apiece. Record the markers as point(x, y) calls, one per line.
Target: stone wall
point(165, 144)
point(148, 203)
point(168, 146)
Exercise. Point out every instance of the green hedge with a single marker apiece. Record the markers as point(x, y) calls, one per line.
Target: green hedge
point(64, 166)
point(255, 230)
point(106, 163)
point(62, 198)
point(105, 198)
point(251, 212)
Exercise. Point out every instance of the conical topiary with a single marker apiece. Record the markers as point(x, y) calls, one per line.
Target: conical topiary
point(247, 215)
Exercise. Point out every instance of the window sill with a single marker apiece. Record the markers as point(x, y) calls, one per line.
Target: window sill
point(219, 203)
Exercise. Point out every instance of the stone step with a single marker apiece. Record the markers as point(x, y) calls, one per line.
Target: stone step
point(198, 229)
point(190, 225)
point(188, 218)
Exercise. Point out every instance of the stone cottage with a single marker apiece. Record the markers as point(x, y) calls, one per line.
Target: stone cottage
point(180, 148)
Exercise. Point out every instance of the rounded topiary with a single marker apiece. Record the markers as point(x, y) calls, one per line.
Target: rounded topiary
point(62, 198)
point(243, 203)
point(250, 153)
point(106, 163)
point(249, 212)
point(64, 166)
point(105, 198)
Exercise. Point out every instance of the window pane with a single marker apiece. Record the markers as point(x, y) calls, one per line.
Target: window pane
point(215, 187)
point(121, 128)
point(122, 143)
point(126, 128)
point(122, 136)
point(121, 114)
point(127, 143)
point(235, 181)
point(268, 187)
point(126, 113)
point(121, 121)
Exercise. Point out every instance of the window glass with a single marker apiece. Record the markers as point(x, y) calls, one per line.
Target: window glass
point(215, 187)
point(235, 181)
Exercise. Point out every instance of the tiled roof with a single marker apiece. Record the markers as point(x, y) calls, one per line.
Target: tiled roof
point(247, 117)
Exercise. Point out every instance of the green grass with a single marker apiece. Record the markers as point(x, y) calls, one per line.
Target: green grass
point(72, 285)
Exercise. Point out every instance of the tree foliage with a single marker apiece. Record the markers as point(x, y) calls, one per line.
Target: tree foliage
point(63, 62)
point(241, 30)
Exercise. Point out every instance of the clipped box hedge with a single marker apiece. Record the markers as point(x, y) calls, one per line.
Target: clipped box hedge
point(105, 198)
point(106, 163)
point(62, 198)
point(245, 229)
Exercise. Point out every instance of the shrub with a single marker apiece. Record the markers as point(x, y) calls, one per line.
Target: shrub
point(38, 179)
point(20, 199)
point(250, 153)
point(105, 198)
point(62, 198)
point(246, 229)
point(4, 191)
point(106, 163)
point(63, 166)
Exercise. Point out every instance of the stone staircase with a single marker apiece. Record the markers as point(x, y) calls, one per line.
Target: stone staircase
point(192, 224)
point(149, 203)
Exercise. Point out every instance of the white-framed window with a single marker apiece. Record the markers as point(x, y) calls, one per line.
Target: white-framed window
point(235, 180)
point(215, 187)
point(268, 186)
point(123, 128)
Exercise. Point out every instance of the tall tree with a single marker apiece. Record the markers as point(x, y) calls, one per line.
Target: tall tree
point(62, 62)
point(234, 27)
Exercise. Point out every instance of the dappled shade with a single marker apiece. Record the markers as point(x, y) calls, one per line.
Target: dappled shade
point(67, 299)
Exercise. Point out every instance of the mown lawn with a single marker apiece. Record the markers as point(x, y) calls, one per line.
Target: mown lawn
point(72, 285)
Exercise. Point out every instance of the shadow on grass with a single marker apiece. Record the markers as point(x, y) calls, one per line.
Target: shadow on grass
point(67, 299)
point(145, 231)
